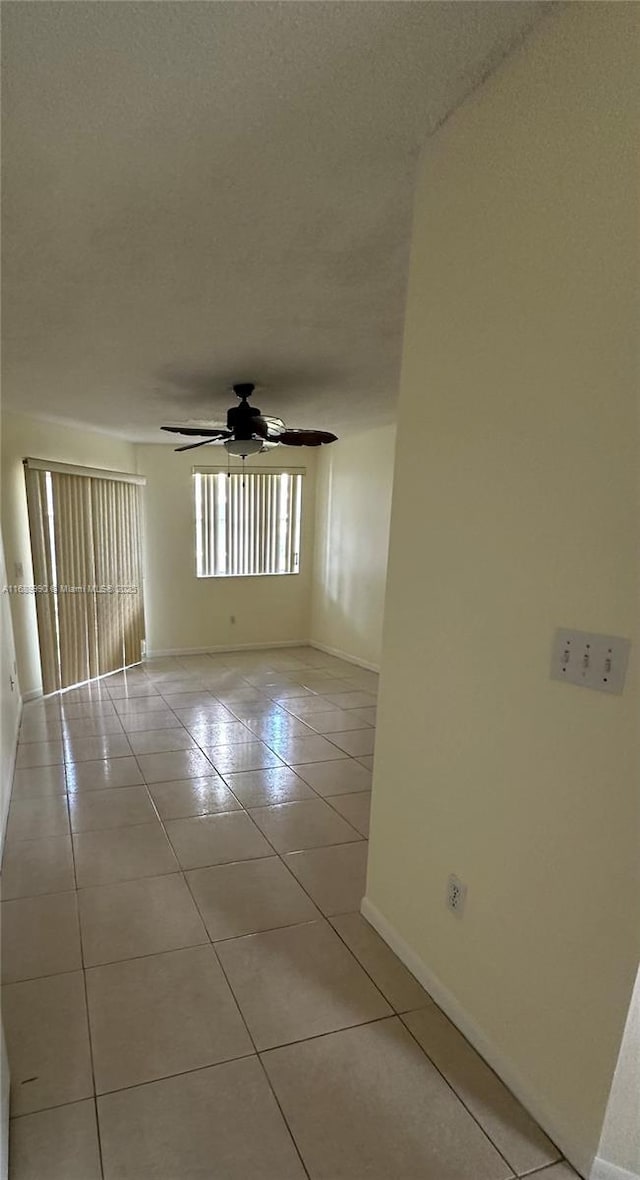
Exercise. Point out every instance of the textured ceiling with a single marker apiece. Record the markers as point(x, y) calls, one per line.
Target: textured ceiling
point(197, 193)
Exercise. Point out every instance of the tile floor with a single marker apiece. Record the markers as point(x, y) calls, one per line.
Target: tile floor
point(189, 989)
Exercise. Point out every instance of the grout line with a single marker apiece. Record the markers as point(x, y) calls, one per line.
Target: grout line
point(86, 1005)
point(248, 1030)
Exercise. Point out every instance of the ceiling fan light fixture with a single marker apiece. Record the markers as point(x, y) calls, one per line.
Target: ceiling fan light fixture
point(243, 446)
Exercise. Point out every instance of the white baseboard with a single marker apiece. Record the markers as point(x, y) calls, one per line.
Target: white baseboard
point(162, 653)
point(581, 1159)
point(343, 655)
point(33, 694)
point(603, 1170)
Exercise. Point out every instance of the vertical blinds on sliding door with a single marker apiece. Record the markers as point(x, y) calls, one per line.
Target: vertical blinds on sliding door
point(86, 545)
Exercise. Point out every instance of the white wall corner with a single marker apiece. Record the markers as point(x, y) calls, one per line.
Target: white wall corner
point(343, 655)
point(603, 1170)
point(580, 1157)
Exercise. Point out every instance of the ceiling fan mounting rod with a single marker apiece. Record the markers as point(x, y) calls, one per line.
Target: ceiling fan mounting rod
point(243, 390)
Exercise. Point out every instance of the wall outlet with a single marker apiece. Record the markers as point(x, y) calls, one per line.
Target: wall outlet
point(456, 894)
point(590, 660)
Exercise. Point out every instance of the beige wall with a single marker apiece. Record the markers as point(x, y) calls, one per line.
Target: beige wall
point(187, 613)
point(24, 437)
point(515, 510)
point(355, 477)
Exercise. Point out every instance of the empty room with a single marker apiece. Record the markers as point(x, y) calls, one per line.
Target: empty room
point(320, 779)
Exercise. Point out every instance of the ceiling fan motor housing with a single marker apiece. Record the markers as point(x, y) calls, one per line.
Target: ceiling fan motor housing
point(244, 420)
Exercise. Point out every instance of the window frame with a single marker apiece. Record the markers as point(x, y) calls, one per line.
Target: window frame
point(200, 470)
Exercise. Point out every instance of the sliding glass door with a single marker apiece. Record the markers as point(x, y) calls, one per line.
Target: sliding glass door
point(86, 548)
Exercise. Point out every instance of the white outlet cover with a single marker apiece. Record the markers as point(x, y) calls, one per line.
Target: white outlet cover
point(590, 660)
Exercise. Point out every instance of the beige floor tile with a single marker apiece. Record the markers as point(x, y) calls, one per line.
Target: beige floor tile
point(335, 721)
point(122, 854)
point(116, 808)
point(245, 756)
point(91, 749)
point(140, 722)
point(40, 730)
point(358, 742)
point(367, 762)
point(287, 691)
point(307, 706)
point(307, 749)
point(352, 700)
point(249, 896)
point(131, 690)
point(135, 918)
point(220, 733)
point(95, 691)
point(33, 867)
point(44, 708)
point(216, 839)
point(32, 819)
point(355, 808)
point(39, 754)
point(38, 781)
point(335, 778)
point(187, 700)
point(298, 982)
point(161, 1015)
point(174, 1129)
point(40, 936)
point(205, 714)
point(261, 788)
point(108, 772)
point(367, 716)
point(161, 741)
point(334, 877)
point(193, 796)
point(505, 1121)
point(128, 705)
point(88, 709)
point(81, 727)
point(307, 823)
point(323, 682)
point(367, 1102)
point(267, 729)
point(45, 1023)
point(60, 1144)
point(257, 710)
point(397, 984)
point(237, 696)
point(560, 1171)
point(168, 768)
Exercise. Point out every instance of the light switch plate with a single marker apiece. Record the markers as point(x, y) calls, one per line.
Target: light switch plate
point(590, 660)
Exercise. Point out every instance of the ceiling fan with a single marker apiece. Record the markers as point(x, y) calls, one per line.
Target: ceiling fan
point(249, 431)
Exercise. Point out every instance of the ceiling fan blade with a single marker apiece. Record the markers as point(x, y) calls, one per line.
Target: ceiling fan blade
point(306, 438)
point(206, 442)
point(200, 431)
point(267, 427)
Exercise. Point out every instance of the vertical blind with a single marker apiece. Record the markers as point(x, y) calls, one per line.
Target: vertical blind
point(86, 548)
point(247, 523)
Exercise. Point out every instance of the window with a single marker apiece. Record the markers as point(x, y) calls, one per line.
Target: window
point(247, 522)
